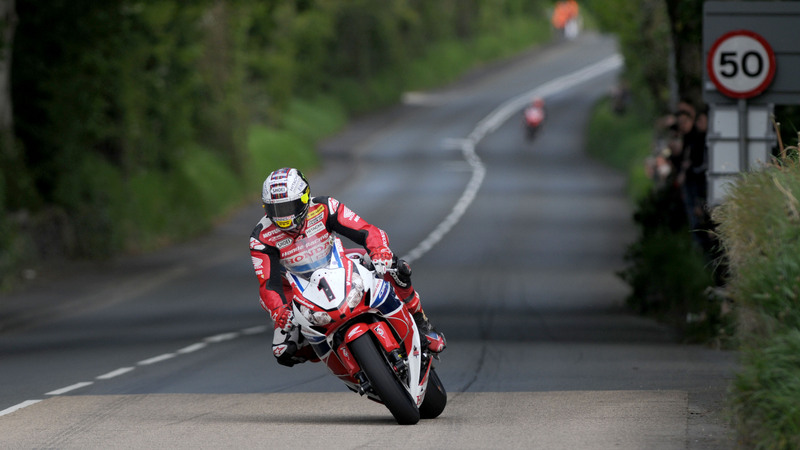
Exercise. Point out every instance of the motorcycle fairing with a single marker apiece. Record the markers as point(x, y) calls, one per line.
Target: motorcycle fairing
point(378, 312)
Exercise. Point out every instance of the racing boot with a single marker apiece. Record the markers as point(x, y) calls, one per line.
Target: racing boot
point(436, 340)
point(286, 347)
point(402, 281)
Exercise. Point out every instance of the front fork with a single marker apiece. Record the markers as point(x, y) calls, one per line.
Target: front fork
point(386, 340)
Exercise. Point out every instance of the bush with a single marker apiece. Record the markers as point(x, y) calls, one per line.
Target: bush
point(759, 224)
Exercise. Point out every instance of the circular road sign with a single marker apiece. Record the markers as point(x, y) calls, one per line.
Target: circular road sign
point(741, 64)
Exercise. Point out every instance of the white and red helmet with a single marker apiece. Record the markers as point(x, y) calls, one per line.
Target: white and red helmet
point(285, 197)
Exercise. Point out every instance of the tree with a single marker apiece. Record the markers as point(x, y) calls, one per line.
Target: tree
point(8, 19)
point(11, 182)
point(686, 25)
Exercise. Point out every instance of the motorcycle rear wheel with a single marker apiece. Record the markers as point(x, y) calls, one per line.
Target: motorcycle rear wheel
point(435, 398)
point(384, 381)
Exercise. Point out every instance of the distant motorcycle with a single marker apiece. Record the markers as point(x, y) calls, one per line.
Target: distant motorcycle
point(363, 333)
point(534, 117)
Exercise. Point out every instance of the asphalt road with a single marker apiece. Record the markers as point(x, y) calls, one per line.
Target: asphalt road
point(515, 243)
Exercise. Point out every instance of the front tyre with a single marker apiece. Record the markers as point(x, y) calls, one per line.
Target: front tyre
point(383, 380)
point(435, 398)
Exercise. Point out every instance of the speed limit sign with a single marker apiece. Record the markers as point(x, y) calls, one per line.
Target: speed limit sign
point(741, 64)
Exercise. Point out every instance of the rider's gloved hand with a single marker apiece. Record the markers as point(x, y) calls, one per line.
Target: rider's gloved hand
point(382, 259)
point(282, 316)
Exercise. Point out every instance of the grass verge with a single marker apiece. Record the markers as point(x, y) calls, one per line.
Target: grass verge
point(759, 224)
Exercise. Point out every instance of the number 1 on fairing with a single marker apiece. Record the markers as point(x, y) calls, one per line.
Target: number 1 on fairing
point(326, 288)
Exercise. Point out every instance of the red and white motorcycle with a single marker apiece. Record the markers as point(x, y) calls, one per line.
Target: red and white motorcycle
point(534, 117)
point(358, 327)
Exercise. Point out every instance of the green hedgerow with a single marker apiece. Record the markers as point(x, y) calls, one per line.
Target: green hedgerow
point(766, 398)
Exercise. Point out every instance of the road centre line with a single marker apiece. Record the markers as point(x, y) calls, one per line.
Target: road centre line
point(489, 124)
point(156, 359)
point(69, 388)
point(193, 348)
point(115, 373)
point(222, 337)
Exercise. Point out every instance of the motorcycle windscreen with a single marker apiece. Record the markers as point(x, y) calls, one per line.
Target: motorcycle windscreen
point(309, 254)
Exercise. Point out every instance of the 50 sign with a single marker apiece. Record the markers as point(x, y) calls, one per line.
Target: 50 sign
point(741, 64)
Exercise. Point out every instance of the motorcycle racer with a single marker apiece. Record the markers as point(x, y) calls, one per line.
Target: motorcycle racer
point(295, 231)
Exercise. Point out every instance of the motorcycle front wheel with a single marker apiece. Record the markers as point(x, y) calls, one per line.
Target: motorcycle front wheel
point(383, 381)
point(435, 398)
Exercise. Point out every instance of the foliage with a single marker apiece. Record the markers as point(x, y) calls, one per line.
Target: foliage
point(140, 121)
point(643, 30)
point(766, 393)
point(622, 140)
point(759, 224)
point(787, 120)
point(670, 277)
point(685, 18)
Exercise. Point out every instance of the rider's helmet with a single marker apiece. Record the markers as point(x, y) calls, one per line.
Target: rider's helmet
point(285, 197)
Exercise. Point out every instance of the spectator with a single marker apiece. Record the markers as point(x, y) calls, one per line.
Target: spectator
point(565, 16)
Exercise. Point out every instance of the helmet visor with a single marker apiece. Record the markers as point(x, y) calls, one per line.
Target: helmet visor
point(283, 214)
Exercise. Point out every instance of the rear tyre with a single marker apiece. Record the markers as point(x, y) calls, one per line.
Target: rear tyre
point(435, 398)
point(384, 382)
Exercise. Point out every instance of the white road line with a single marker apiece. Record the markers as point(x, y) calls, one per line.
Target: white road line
point(193, 348)
point(19, 406)
point(115, 373)
point(222, 337)
point(478, 172)
point(490, 123)
point(255, 330)
point(156, 359)
point(70, 388)
point(511, 106)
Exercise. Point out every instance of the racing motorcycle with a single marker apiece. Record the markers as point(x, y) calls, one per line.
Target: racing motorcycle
point(534, 117)
point(363, 333)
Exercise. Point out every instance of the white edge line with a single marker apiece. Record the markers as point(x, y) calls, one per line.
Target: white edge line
point(73, 387)
point(115, 373)
point(19, 406)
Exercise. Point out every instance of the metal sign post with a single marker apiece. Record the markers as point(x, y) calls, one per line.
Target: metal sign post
point(752, 64)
